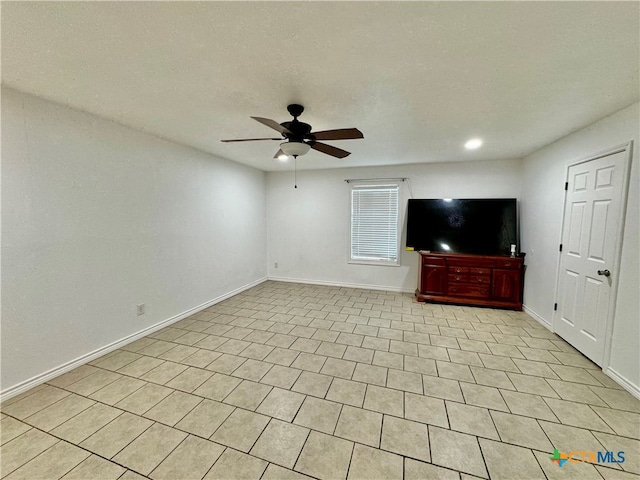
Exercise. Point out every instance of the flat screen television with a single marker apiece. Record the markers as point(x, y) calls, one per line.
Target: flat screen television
point(486, 226)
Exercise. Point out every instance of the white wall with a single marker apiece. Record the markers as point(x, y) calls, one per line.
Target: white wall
point(544, 174)
point(97, 218)
point(308, 227)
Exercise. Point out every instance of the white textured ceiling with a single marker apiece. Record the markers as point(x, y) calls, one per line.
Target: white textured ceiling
point(418, 78)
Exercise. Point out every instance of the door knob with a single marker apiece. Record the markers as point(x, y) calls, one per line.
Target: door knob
point(606, 273)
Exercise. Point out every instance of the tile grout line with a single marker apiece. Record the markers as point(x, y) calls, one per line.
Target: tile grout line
point(306, 439)
point(484, 460)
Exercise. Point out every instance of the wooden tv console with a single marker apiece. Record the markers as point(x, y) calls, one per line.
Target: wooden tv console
point(478, 280)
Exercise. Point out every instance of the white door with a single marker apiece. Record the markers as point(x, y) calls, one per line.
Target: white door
point(589, 252)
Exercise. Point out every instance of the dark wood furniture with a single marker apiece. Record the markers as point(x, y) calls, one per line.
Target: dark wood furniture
point(479, 280)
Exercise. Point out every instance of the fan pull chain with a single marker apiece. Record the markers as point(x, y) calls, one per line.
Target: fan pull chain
point(295, 171)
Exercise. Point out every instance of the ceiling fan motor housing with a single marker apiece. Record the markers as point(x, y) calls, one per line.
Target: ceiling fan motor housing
point(299, 130)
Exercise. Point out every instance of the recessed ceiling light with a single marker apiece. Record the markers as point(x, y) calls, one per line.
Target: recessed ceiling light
point(283, 157)
point(473, 144)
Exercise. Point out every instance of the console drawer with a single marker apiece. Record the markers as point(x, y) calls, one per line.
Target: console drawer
point(472, 262)
point(508, 263)
point(480, 271)
point(479, 279)
point(458, 270)
point(469, 290)
point(458, 278)
point(427, 260)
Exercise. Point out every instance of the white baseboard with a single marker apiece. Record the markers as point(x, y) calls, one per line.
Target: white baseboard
point(615, 376)
point(66, 367)
point(542, 321)
point(340, 284)
point(623, 382)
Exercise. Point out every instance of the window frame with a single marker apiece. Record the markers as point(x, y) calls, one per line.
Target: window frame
point(371, 261)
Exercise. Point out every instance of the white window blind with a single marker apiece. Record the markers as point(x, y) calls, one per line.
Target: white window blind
point(374, 223)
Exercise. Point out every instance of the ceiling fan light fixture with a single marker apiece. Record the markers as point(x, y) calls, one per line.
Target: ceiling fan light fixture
point(283, 158)
point(294, 149)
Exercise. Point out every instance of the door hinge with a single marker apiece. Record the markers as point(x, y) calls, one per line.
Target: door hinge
point(566, 185)
point(560, 249)
point(555, 307)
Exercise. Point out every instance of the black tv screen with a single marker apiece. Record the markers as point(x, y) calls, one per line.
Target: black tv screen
point(485, 226)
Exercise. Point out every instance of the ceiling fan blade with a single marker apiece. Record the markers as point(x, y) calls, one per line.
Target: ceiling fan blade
point(330, 150)
point(339, 134)
point(250, 139)
point(272, 124)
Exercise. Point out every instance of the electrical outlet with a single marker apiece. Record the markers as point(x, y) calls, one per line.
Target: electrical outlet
point(275, 265)
point(140, 309)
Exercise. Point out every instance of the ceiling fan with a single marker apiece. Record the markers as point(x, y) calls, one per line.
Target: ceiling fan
point(299, 138)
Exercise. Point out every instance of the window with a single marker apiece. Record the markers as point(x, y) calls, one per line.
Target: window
point(374, 224)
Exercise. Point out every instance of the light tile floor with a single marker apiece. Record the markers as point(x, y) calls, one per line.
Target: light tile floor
point(290, 381)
